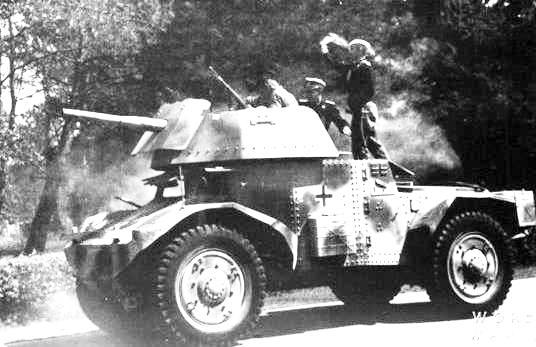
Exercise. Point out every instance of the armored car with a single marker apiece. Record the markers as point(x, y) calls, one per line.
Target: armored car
point(260, 198)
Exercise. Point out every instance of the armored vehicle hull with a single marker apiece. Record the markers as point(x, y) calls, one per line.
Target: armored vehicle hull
point(258, 205)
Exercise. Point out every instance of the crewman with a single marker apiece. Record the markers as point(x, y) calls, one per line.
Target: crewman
point(271, 94)
point(358, 74)
point(326, 109)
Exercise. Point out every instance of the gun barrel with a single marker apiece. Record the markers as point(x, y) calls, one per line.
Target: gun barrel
point(146, 123)
point(228, 87)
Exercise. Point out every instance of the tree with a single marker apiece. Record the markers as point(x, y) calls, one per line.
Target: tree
point(13, 54)
point(82, 51)
point(480, 81)
point(240, 37)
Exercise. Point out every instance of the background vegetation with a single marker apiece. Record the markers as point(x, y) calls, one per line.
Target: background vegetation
point(456, 86)
point(27, 282)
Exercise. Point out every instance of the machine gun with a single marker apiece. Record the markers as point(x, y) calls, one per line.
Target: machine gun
point(220, 79)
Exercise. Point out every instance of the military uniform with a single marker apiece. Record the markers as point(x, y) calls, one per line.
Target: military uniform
point(359, 83)
point(368, 141)
point(328, 112)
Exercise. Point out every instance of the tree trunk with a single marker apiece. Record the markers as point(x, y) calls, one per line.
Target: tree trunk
point(48, 201)
point(11, 117)
point(3, 183)
point(46, 208)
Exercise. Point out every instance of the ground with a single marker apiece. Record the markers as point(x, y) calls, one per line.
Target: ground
point(409, 320)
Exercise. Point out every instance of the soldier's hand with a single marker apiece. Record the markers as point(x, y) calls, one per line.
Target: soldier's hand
point(346, 131)
point(251, 99)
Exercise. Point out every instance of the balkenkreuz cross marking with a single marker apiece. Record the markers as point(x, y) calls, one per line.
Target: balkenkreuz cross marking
point(324, 195)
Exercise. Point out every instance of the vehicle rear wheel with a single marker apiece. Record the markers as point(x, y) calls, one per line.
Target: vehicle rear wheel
point(472, 263)
point(209, 287)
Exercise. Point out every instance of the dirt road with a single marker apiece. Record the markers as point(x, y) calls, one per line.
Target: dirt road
point(409, 321)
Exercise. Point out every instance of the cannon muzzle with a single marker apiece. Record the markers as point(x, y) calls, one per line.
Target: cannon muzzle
point(146, 123)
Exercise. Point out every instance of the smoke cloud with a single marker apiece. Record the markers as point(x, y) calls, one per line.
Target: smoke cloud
point(85, 193)
point(413, 141)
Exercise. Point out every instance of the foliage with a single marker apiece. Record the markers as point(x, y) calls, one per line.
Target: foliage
point(241, 38)
point(449, 74)
point(20, 150)
point(27, 282)
point(11, 238)
point(85, 47)
point(82, 52)
point(480, 81)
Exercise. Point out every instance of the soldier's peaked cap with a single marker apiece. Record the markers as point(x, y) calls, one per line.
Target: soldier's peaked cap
point(315, 82)
point(366, 44)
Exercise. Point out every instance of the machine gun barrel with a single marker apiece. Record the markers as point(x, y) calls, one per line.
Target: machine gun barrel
point(146, 123)
point(228, 87)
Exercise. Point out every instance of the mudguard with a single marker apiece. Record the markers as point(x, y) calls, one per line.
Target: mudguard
point(105, 253)
point(432, 203)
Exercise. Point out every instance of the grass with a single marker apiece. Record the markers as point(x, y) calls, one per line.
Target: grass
point(11, 242)
point(12, 246)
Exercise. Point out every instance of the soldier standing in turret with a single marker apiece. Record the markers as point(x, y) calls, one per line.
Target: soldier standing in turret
point(326, 109)
point(271, 94)
point(356, 68)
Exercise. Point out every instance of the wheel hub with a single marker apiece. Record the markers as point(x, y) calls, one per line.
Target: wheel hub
point(475, 264)
point(213, 287)
point(473, 267)
point(212, 291)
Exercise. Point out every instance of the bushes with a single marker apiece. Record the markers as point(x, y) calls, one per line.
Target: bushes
point(27, 282)
point(11, 238)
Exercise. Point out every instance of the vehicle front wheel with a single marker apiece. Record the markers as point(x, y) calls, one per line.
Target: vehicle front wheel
point(209, 287)
point(472, 264)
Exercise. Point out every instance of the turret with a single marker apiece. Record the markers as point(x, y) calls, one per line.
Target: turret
point(187, 133)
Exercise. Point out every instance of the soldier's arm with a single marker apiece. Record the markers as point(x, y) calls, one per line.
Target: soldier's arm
point(335, 48)
point(282, 97)
point(335, 117)
point(366, 71)
point(288, 98)
point(368, 121)
point(370, 115)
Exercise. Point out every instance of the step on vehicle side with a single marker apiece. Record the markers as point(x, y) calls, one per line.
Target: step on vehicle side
point(245, 204)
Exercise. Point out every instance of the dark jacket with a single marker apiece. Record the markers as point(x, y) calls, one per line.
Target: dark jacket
point(359, 84)
point(358, 80)
point(328, 112)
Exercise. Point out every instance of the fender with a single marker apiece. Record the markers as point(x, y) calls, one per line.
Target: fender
point(430, 212)
point(122, 242)
point(168, 218)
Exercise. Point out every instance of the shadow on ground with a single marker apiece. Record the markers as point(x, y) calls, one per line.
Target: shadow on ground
point(281, 323)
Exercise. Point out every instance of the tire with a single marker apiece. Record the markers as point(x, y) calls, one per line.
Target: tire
point(106, 313)
point(472, 264)
point(365, 287)
point(209, 288)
